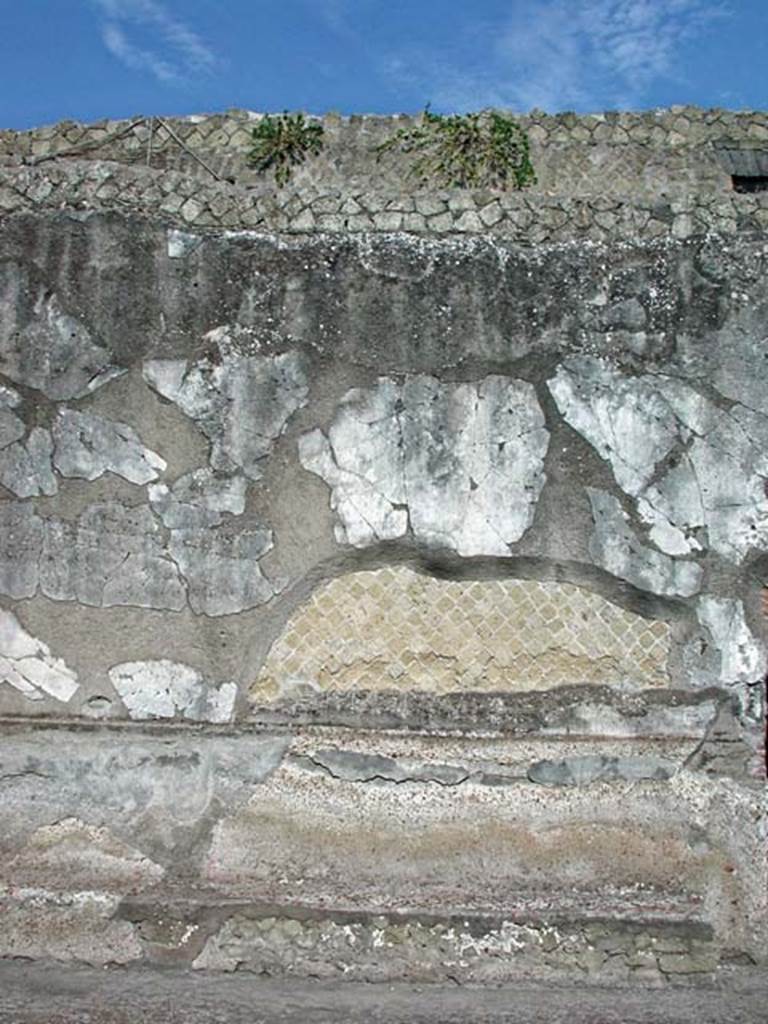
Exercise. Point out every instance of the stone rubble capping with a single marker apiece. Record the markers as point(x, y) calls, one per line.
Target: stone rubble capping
point(526, 218)
point(676, 126)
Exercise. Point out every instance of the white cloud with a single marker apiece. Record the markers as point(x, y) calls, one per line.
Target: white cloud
point(145, 36)
point(134, 57)
point(566, 54)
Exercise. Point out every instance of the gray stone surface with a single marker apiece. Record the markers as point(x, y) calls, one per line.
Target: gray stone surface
point(240, 400)
point(221, 568)
point(11, 427)
point(88, 446)
point(582, 771)
point(198, 499)
point(614, 546)
point(110, 555)
point(164, 689)
point(45, 347)
point(21, 541)
point(157, 791)
point(25, 466)
point(459, 465)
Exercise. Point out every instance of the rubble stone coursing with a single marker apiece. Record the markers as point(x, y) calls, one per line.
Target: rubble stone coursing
point(529, 218)
point(380, 567)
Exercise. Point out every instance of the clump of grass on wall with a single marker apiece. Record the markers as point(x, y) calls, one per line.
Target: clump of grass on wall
point(482, 150)
point(282, 142)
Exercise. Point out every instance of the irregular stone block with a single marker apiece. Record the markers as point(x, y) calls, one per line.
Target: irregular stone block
point(25, 467)
point(198, 499)
point(222, 569)
point(44, 347)
point(583, 771)
point(357, 767)
point(21, 544)
point(742, 655)
point(11, 427)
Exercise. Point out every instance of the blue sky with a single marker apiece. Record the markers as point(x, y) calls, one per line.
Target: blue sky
point(87, 59)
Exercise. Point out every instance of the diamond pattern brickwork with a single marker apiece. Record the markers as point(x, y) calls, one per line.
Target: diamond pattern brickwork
point(396, 629)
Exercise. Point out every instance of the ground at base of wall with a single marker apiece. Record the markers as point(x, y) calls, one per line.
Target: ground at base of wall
point(37, 994)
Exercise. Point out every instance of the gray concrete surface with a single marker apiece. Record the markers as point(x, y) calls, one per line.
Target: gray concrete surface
point(52, 995)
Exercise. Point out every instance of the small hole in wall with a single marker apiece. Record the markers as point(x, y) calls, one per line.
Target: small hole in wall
point(745, 183)
point(97, 706)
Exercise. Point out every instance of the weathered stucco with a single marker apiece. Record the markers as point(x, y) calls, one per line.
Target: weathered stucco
point(460, 466)
point(381, 599)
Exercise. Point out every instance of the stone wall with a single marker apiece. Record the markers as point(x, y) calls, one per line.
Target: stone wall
point(529, 218)
point(681, 149)
point(374, 603)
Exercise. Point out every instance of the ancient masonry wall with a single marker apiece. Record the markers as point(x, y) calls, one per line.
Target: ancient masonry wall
point(380, 568)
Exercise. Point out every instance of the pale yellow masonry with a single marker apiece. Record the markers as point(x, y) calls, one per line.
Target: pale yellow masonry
point(395, 629)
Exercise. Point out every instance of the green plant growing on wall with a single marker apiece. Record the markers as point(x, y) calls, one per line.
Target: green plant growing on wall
point(282, 141)
point(481, 150)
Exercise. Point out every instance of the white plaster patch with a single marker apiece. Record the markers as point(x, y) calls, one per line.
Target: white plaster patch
point(697, 471)
point(742, 655)
point(221, 568)
point(624, 418)
point(11, 427)
point(88, 446)
point(198, 499)
point(615, 548)
point(241, 401)
point(28, 665)
point(164, 689)
point(462, 464)
point(25, 466)
point(53, 351)
point(181, 243)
